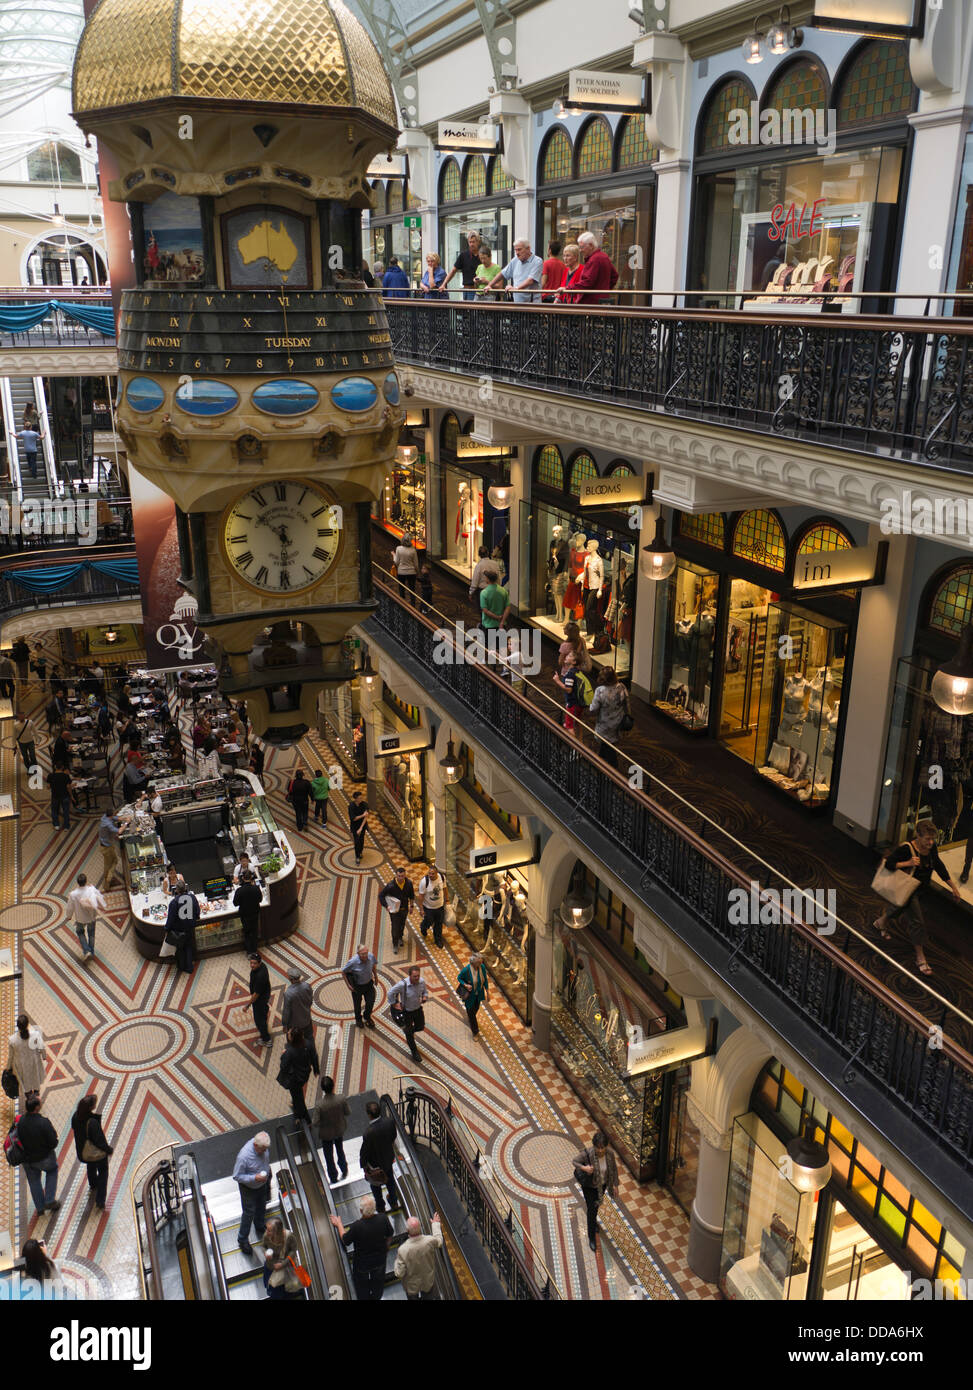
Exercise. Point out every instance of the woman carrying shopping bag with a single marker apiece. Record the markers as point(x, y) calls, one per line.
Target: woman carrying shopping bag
point(917, 860)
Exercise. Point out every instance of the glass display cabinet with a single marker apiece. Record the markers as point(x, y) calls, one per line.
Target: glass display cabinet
point(767, 1223)
point(143, 852)
point(686, 621)
point(252, 819)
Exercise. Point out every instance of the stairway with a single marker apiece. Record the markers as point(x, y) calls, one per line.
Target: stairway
point(24, 389)
point(347, 1195)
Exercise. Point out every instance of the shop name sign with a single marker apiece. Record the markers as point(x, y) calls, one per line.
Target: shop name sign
point(605, 492)
point(824, 568)
point(507, 856)
point(664, 1049)
point(469, 448)
point(466, 135)
point(892, 19)
point(589, 90)
point(406, 742)
point(387, 166)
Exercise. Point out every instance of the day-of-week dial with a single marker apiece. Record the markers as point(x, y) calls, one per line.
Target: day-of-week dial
point(283, 536)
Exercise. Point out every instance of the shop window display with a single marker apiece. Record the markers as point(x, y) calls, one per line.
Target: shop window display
point(619, 217)
point(767, 1223)
point(402, 505)
point(686, 618)
point(340, 722)
point(402, 784)
point(744, 666)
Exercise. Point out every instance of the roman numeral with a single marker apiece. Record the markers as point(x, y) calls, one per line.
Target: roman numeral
point(259, 498)
point(319, 511)
point(319, 554)
point(325, 530)
point(261, 576)
point(302, 497)
point(308, 572)
point(242, 516)
point(285, 579)
point(280, 491)
point(239, 540)
point(242, 561)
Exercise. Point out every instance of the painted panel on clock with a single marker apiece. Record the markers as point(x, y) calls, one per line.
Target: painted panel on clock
point(391, 389)
point(285, 397)
point(203, 396)
point(354, 393)
point(144, 394)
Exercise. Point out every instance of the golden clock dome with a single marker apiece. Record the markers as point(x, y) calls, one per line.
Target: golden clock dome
point(281, 52)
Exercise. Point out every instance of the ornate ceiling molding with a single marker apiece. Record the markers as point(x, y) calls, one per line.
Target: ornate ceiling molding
point(79, 361)
point(78, 615)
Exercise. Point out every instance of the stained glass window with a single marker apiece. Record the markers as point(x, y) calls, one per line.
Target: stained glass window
point(759, 537)
point(450, 431)
point(583, 467)
point(800, 85)
point(378, 197)
point(952, 608)
point(622, 470)
point(634, 148)
point(549, 468)
point(823, 537)
point(877, 84)
point(556, 164)
point(595, 150)
point(393, 198)
point(476, 177)
point(500, 180)
point(715, 130)
point(450, 184)
point(412, 201)
point(708, 529)
point(53, 163)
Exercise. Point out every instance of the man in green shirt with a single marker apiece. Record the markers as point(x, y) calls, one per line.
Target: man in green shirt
point(320, 790)
point(494, 601)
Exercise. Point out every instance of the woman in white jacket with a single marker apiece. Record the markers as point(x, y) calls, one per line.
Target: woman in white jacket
point(26, 1057)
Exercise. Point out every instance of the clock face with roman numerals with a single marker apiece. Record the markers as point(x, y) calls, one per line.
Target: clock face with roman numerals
point(283, 536)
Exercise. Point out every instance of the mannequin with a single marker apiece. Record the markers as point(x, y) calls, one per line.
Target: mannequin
point(557, 566)
point(593, 582)
point(701, 647)
point(465, 527)
point(573, 601)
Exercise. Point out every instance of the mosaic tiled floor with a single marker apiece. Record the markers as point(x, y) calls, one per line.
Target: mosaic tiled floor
point(175, 1059)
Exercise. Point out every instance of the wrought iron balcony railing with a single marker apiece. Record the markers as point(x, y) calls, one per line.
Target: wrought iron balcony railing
point(55, 316)
point(902, 387)
point(905, 1071)
point(86, 585)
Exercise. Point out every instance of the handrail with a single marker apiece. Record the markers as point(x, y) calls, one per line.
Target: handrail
point(442, 1259)
point(509, 1218)
point(165, 1166)
point(283, 1140)
point(213, 1240)
point(197, 1212)
point(339, 1244)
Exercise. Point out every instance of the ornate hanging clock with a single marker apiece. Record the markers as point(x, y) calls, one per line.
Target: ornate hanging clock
point(283, 536)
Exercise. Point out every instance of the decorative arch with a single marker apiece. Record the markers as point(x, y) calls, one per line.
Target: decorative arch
point(449, 182)
point(556, 157)
point(948, 601)
point(449, 431)
point(712, 131)
point(874, 85)
point(498, 180)
point(593, 150)
point(620, 468)
point(797, 85)
point(708, 528)
point(68, 245)
point(378, 196)
point(582, 466)
point(54, 162)
point(632, 147)
point(475, 177)
point(549, 467)
point(758, 536)
point(822, 535)
point(394, 201)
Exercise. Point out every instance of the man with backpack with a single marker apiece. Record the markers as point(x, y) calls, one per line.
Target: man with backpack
point(33, 1142)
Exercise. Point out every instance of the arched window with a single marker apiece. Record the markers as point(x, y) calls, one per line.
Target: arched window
point(714, 123)
point(449, 183)
point(952, 605)
point(876, 85)
point(53, 162)
point(796, 87)
point(499, 180)
point(475, 177)
point(549, 467)
point(633, 147)
point(825, 535)
point(709, 528)
point(449, 431)
point(621, 470)
point(378, 197)
point(583, 466)
point(759, 538)
point(556, 157)
point(412, 201)
point(393, 197)
point(595, 148)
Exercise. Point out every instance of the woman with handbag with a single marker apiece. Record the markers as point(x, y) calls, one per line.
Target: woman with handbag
point(27, 1058)
point(472, 987)
point(92, 1148)
point(280, 1272)
point(614, 717)
point(917, 859)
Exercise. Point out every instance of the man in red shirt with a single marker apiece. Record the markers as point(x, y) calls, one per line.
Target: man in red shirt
point(555, 271)
point(597, 272)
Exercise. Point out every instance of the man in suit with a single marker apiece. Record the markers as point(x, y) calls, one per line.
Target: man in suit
point(378, 1151)
point(597, 1172)
point(181, 921)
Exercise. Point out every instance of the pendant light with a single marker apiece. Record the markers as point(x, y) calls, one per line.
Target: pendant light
point(500, 496)
point(810, 1166)
point(578, 906)
point(450, 768)
point(952, 685)
point(406, 455)
point(367, 672)
point(657, 561)
point(751, 47)
point(781, 37)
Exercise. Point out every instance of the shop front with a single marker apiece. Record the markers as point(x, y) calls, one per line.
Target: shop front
point(340, 719)
point(799, 215)
point(401, 506)
point(388, 235)
point(753, 641)
point(474, 197)
point(579, 561)
point(461, 516)
point(848, 1231)
point(490, 898)
point(398, 789)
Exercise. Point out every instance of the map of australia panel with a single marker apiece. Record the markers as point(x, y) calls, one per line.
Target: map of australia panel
point(266, 247)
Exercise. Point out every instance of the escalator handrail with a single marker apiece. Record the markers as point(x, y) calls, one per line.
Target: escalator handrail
point(148, 1275)
point(283, 1141)
point(446, 1265)
point(332, 1209)
point(197, 1218)
point(217, 1253)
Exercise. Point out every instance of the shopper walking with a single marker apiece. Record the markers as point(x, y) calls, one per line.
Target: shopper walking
point(415, 1263)
point(405, 558)
point(8, 677)
point(920, 859)
point(358, 820)
point(330, 1120)
point(27, 1057)
point(299, 795)
point(109, 842)
point(247, 900)
point(30, 439)
point(24, 738)
point(371, 1237)
point(251, 1173)
point(296, 1006)
point(569, 679)
point(494, 600)
point(573, 650)
point(597, 1172)
point(181, 921)
point(359, 976)
point(377, 1156)
point(395, 282)
point(296, 1065)
point(479, 579)
point(280, 1258)
point(92, 1148)
point(40, 1276)
point(473, 987)
point(259, 997)
point(610, 704)
point(572, 266)
point(20, 653)
point(84, 904)
point(39, 1139)
point(320, 791)
point(398, 897)
point(406, 999)
point(59, 782)
point(432, 896)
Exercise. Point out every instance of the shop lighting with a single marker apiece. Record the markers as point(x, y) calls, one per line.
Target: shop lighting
point(450, 768)
point(58, 217)
point(810, 1166)
point(367, 672)
point(780, 38)
point(578, 908)
point(406, 455)
point(500, 496)
point(952, 685)
point(780, 35)
point(751, 47)
point(111, 635)
point(657, 561)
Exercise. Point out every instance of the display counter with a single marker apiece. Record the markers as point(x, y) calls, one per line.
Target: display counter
point(206, 826)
